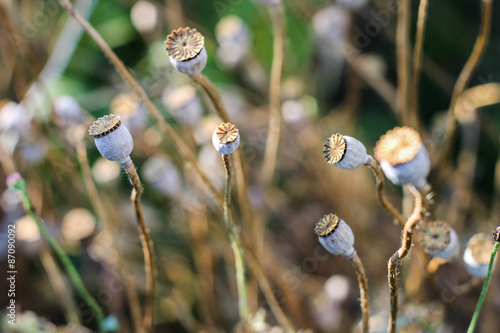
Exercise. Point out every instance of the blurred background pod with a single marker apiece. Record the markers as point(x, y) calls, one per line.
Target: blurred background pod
point(233, 36)
point(105, 172)
point(132, 113)
point(15, 121)
point(78, 224)
point(335, 236)
point(331, 25)
point(162, 175)
point(345, 152)
point(184, 105)
point(67, 111)
point(144, 16)
point(477, 255)
point(186, 51)
point(112, 138)
point(403, 157)
point(354, 5)
point(439, 240)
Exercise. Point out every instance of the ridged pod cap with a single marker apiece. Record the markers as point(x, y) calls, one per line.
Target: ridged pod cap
point(403, 157)
point(345, 152)
point(226, 138)
point(112, 138)
point(439, 240)
point(335, 236)
point(477, 255)
point(186, 50)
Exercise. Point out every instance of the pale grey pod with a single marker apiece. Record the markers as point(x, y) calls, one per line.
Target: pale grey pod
point(345, 152)
point(163, 175)
point(184, 105)
point(477, 255)
point(112, 139)
point(335, 236)
point(403, 157)
point(413, 172)
point(193, 66)
point(226, 138)
point(67, 108)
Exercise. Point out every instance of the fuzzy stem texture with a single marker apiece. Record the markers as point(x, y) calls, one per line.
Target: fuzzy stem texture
point(364, 292)
point(473, 322)
point(147, 245)
point(397, 258)
point(239, 261)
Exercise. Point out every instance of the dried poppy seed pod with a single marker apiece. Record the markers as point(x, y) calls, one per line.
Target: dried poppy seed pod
point(439, 240)
point(335, 236)
point(226, 138)
point(477, 255)
point(186, 50)
point(345, 152)
point(496, 235)
point(403, 157)
point(112, 139)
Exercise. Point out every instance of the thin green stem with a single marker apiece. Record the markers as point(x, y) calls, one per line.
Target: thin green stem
point(239, 262)
point(63, 257)
point(475, 317)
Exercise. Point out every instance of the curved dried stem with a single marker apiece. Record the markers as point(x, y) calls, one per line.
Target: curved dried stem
point(403, 58)
point(417, 61)
point(117, 261)
point(379, 175)
point(397, 258)
point(274, 127)
point(364, 292)
point(147, 246)
point(462, 82)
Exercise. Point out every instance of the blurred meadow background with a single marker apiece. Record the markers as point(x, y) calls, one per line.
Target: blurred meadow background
point(339, 75)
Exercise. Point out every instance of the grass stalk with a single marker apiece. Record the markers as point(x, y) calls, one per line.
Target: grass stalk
point(274, 127)
point(239, 261)
point(396, 259)
point(417, 61)
point(63, 257)
point(379, 175)
point(473, 322)
point(147, 245)
point(364, 292)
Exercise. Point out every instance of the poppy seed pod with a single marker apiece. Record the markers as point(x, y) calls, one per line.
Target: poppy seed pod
point(439, 240)
point(112, 139)
point(345, 152)
point(496, 235)
point(403, 157)
point(186, 50)
point(226, 138)
point(477, 255)
point(335, 236)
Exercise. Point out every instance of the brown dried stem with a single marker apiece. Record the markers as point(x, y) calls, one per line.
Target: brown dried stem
point(379, 175)
point(116, 260)
point(274, 127)
point(417, 61)
point(403, 58)
point(147, 246)
point(363, 290)
point(397, 258)
point(462, 82)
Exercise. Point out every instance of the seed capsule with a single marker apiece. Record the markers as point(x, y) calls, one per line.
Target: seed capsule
point(439, 240)
point(112, 139)
point(496, 234)
point(186, 50)
point(345, 152)
point(403, 157)
point(226, 138)
point(477, 255)
point(335, 236)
